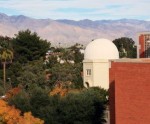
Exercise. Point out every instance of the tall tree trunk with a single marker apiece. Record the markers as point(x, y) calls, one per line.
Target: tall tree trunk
point(4, 75)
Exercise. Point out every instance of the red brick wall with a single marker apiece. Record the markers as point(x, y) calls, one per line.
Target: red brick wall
point(130, 103)
point(142, 46)
point(112, 94)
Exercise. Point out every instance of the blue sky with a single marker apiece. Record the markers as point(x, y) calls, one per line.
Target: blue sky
point(78, 9)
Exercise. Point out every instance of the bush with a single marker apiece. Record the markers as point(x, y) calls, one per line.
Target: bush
point(21, 101)
point(84, 107)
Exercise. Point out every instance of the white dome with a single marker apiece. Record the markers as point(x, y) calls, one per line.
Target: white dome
point(101, 49)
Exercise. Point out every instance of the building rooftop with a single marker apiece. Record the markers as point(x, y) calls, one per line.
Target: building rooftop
point(101, 49)
point(140, 60)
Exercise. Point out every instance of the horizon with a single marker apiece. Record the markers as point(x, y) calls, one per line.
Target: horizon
point(77, 9)
point(74, 19)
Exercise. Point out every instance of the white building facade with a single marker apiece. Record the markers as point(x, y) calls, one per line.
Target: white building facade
point(96, 62)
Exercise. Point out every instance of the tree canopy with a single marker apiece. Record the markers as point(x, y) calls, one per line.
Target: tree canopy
point(29, 46)
point(83, 107)
point(128, 45)
point(10, 115)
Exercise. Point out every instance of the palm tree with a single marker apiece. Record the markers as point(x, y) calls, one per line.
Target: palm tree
point(6, 56)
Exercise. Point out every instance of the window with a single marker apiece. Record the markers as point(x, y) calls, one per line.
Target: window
point(88, 72)
point(147, 49)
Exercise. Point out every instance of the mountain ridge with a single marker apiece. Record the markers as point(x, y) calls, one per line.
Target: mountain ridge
point(69, 32)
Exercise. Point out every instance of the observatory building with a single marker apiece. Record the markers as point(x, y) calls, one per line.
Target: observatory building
point(96, 62)
point(127, 79)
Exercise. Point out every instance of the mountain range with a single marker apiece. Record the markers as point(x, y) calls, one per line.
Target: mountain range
point(68, 32)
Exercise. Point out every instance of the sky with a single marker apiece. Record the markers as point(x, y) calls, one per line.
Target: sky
point(78, 9)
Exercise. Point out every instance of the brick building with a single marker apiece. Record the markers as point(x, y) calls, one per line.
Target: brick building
point(144, 45)
point(130, 91)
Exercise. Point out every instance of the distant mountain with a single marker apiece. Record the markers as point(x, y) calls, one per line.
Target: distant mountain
point(68, 32)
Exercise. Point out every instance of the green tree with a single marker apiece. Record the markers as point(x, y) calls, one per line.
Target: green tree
point(6, 56)
point(67, 72)
point(14, 72)
point(128, 44)
point(22, 101)
point(67, 55)
point(78, 56)
point(51, 61)
point(84, 107)
point(32, 73)
point(72, 53)
point(29, 46)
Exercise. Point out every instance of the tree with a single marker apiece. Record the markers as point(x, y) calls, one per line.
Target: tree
point(78, 56)
point(51, 61)
point(21, 101)
point(67, 73)
point(67, 55)
point(6, 56)
point(84, 106)
point(14, 72)
point(32, 73)
point(72, 53)
point(10, 115)
point(29, 46)
point(128, 45)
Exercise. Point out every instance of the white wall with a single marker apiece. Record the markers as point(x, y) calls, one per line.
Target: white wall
point(100, 73)
point(89, 79)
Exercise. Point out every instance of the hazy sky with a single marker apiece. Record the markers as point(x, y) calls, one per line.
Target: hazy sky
point(78, 9)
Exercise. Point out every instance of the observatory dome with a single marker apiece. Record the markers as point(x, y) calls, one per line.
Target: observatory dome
point(101, 49)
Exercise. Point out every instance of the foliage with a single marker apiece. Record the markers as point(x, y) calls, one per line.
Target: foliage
point(33, 73)
point(67, 55)
point(6, 51)
point(14, 72)
point(66, 72)
point(78, 56)
point(60, 89)
point(5, 42)
point(21, 100)
point(6, 56)
point(29, 74)
point(10, 115)
point(52, 60)
point(72, 53)
point(128, 44)
point(12, 92)
point(29, 46)
point(83, 107)
point(70, 70)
